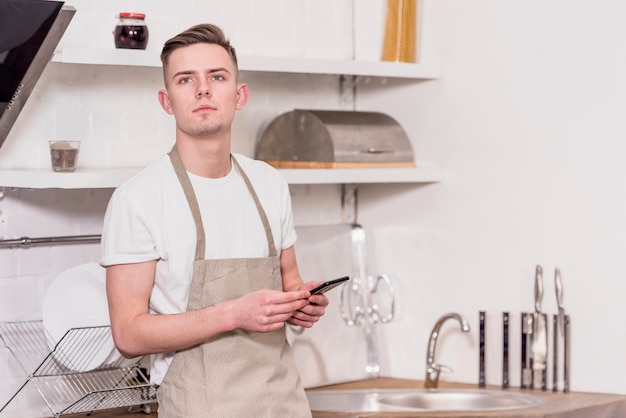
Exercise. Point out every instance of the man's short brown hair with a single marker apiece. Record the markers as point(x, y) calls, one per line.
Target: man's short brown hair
point(203, 33)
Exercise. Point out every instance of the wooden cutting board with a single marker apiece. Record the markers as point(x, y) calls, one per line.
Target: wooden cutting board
point(333, 164)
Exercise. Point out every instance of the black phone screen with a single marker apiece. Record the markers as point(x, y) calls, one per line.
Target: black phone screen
point(325, 287)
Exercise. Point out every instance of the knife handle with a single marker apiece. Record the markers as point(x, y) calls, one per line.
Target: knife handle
point(538, 288)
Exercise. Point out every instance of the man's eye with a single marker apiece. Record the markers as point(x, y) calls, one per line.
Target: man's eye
point(185, 80)
point(218, 77)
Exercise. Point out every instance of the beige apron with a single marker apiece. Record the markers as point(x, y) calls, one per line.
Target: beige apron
point(238, 373)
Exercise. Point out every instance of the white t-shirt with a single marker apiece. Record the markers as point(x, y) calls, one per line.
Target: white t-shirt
point(149, 218)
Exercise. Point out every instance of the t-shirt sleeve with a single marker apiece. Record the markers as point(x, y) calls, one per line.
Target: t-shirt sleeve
point(126, 236)
point(288, 232)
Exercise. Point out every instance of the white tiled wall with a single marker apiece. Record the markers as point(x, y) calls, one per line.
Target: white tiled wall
point(31, 213)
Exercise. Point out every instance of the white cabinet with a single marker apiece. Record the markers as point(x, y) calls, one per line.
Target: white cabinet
point(112, 177)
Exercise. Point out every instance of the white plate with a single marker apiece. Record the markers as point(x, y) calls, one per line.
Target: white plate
point(77, 298)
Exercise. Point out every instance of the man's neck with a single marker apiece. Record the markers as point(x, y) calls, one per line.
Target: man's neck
point(205, 158)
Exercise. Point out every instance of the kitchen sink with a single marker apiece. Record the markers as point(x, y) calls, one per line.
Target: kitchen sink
point(373, 400)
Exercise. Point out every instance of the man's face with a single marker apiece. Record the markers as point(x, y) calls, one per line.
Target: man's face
point(202, 91)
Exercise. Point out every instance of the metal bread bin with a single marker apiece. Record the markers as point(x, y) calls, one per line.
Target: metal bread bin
point(334, 139)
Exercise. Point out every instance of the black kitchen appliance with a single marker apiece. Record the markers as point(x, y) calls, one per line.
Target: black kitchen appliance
point(29, 33)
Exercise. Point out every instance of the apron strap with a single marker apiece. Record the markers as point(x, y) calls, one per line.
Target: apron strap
point(257, 202)
point(183, 178)
point(185, 182)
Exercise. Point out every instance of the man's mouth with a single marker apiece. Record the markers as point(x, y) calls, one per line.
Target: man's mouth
point(204, 108)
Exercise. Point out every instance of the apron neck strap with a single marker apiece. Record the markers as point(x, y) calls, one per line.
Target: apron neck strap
point(266, 224)
point(185, 182)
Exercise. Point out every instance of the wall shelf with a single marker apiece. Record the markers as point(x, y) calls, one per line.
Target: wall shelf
point(86, 178)
point(147, 58)
point(82, 178)
point(102, 178)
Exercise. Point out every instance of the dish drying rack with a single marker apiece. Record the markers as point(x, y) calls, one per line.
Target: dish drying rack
point(65, 390)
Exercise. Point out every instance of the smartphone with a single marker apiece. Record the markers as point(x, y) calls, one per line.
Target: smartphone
point(325, 287)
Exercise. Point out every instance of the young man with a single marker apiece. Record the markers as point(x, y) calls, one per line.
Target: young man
point(201, 269)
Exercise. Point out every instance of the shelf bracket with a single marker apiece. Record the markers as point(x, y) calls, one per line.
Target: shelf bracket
point(347, 89)
point(349, 203)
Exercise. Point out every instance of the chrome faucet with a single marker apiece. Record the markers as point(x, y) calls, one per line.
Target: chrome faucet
point(433, 369)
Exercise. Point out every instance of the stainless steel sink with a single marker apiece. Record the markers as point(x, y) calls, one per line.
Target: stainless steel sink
point(373, 400)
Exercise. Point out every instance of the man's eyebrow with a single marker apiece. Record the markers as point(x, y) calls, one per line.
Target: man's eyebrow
point(217, 70)
point(210, 71)
point(185, 72)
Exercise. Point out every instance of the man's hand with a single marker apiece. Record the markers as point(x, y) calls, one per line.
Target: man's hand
point(266, 310)
point(313, 311)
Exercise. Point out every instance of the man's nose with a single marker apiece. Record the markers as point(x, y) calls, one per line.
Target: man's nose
point(204, 90)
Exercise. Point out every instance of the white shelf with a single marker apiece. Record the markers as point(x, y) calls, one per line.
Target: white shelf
point(82, 178)
point(113, 177)
point(102, 178)
point(141, 58)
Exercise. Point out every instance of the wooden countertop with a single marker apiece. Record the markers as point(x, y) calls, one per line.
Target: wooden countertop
point(557, 405)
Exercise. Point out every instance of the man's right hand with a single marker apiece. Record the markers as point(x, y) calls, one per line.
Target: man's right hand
point(264, 310)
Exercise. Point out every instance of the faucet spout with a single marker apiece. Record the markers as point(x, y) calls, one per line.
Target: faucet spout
point(432, 368)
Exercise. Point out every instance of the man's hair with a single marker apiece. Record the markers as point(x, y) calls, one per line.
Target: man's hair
point(204, 33)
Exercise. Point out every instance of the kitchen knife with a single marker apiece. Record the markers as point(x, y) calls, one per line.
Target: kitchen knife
point(538, 288)
point(540, 335)
point(558, 286)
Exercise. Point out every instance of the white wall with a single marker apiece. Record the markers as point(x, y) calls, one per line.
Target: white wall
point(527, 122)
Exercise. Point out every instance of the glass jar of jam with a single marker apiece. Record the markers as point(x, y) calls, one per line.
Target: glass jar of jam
point(131, 31)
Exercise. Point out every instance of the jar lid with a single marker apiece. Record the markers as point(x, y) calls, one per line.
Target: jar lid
point(133, 15)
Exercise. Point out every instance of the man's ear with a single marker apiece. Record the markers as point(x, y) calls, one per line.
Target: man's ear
point(164, 100)
point(242, 96)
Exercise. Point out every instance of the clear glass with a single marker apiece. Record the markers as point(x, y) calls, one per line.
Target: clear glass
point(64, 155)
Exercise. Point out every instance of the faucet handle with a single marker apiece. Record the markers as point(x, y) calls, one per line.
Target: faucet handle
point(432, 374)
point(439, 368)
point(444, 369)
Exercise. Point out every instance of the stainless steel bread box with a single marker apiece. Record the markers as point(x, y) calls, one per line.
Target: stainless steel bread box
point(334, 139)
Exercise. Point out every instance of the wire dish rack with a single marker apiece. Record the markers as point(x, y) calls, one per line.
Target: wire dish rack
point(58, 374)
